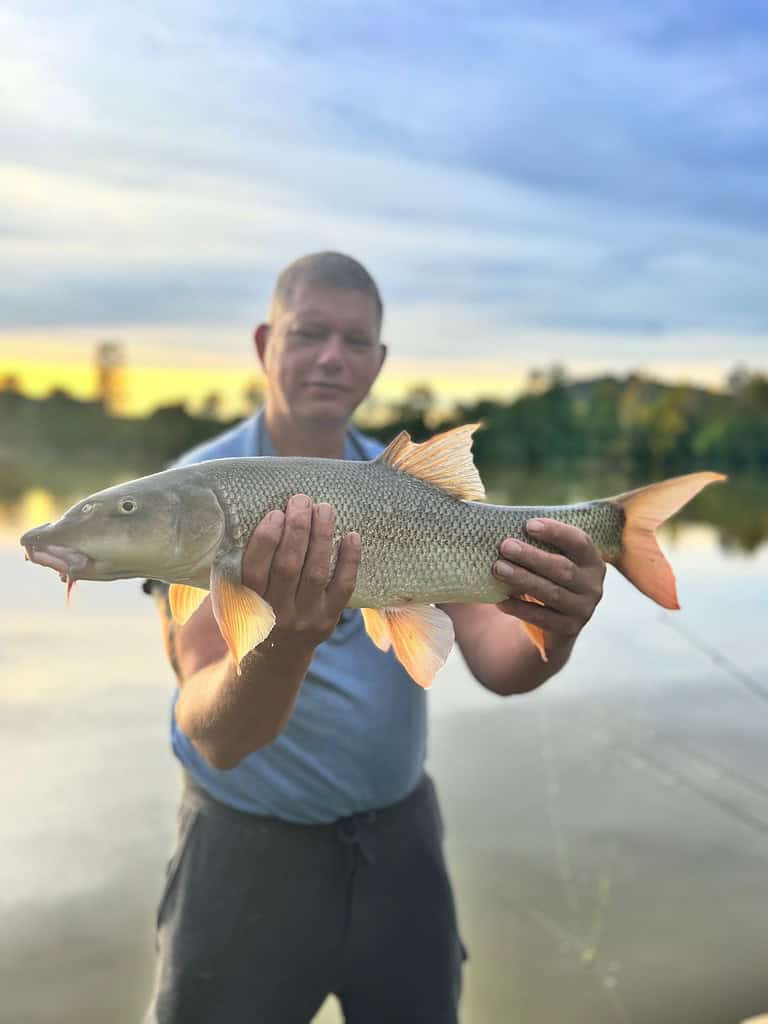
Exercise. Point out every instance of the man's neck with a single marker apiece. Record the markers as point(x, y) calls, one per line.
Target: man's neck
point(290, 436)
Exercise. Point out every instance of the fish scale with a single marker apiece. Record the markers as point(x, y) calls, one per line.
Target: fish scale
point(419, 544)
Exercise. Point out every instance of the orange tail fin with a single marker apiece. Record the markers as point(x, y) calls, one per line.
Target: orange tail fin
point(642, 560)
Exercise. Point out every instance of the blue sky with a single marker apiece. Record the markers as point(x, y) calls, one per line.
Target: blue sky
point(586, 183)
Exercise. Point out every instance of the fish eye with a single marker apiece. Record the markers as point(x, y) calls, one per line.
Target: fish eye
point(127, 505)
point(86, 508)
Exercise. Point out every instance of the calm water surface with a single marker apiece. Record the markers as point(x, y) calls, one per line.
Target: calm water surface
point(608, 835)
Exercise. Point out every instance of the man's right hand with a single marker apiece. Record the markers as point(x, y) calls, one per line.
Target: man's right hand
point(288, 562)
point(228, 715)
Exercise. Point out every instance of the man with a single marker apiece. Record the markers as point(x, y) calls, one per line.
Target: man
point(309, 857)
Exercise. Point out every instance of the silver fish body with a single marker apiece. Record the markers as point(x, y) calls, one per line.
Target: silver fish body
point(420, 544)
point(425, 539)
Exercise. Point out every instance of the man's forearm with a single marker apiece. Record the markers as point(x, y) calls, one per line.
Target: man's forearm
point(520, 668)
point(288, 562)
point(499, 654)
point(228, 716)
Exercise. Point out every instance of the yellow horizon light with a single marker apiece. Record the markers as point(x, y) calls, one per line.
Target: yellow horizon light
point(147, 387)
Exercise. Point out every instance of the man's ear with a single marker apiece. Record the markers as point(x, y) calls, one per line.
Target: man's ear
point(383, 357)
point(260, 340)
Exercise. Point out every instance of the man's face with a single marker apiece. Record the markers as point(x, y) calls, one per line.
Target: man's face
point(323, 354)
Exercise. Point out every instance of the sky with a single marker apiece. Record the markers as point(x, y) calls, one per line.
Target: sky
point(529, 183)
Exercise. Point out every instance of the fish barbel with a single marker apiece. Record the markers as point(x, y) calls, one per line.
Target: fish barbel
point(427, 538)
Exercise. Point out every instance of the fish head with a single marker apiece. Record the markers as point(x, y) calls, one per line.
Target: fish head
point(166, 526)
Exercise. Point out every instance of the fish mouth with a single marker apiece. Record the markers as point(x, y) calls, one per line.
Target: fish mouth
point(69, 563)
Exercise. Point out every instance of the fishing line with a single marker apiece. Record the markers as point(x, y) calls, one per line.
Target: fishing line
point(561, 848)
point(694, 752)
point(716, 657)
point(678, 776)
point(589, 948)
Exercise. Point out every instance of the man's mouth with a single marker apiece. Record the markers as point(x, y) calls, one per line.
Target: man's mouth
point(324, 385)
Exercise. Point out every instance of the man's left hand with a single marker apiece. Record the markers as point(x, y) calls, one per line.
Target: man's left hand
point(568, 584)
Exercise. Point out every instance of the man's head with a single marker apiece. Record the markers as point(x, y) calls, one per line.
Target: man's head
point(321, 349)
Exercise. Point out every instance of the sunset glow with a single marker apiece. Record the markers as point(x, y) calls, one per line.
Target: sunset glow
point(145, 387)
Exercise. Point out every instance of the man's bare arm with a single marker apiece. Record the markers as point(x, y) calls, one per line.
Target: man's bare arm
point(569, 584)
point(287, 561)
point(498, 652)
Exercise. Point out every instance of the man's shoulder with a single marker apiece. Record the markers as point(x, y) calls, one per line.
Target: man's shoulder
point(236, 442)
point(240, 442)
point(370, 447)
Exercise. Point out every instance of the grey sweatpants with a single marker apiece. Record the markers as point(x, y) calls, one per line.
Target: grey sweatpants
point(260, 920)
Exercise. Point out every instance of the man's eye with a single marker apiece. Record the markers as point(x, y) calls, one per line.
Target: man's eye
point(358, 341)
point(308, 334)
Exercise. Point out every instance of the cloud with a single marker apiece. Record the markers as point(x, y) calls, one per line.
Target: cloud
point(593, 172)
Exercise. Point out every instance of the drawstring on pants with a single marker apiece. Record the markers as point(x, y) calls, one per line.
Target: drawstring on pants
point(348, 833)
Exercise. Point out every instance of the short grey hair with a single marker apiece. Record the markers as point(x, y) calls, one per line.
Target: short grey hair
point(328, 269)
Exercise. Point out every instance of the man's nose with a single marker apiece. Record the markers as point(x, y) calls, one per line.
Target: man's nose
point(332, 353)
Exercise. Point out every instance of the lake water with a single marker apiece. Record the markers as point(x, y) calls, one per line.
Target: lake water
point(607, 835)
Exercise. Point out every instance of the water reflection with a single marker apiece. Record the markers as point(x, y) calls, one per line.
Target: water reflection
point(606, 835)
point(36, 490)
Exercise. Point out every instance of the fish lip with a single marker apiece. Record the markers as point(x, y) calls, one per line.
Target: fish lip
point(65, 561)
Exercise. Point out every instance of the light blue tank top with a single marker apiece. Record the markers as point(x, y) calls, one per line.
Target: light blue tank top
point(356, 740)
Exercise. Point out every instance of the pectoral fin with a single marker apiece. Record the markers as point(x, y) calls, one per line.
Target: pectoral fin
point(421, 635)
point(377, 627)
point(185, 601)
point(244, 618)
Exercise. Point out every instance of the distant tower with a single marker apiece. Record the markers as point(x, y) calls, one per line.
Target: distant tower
point(110, 366)
point(253, 394)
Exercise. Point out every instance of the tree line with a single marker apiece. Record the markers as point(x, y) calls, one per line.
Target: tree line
point(609, 432)
point(634, 423)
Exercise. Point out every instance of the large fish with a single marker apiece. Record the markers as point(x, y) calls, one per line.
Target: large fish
point(427, 538)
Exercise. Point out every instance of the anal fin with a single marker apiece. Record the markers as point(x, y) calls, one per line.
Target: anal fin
point(421, 635)
point(536, 633)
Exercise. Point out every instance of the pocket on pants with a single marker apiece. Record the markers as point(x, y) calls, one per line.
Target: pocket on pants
point(187, 820)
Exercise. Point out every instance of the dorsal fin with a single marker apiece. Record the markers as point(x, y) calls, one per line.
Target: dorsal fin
point(445, 460)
